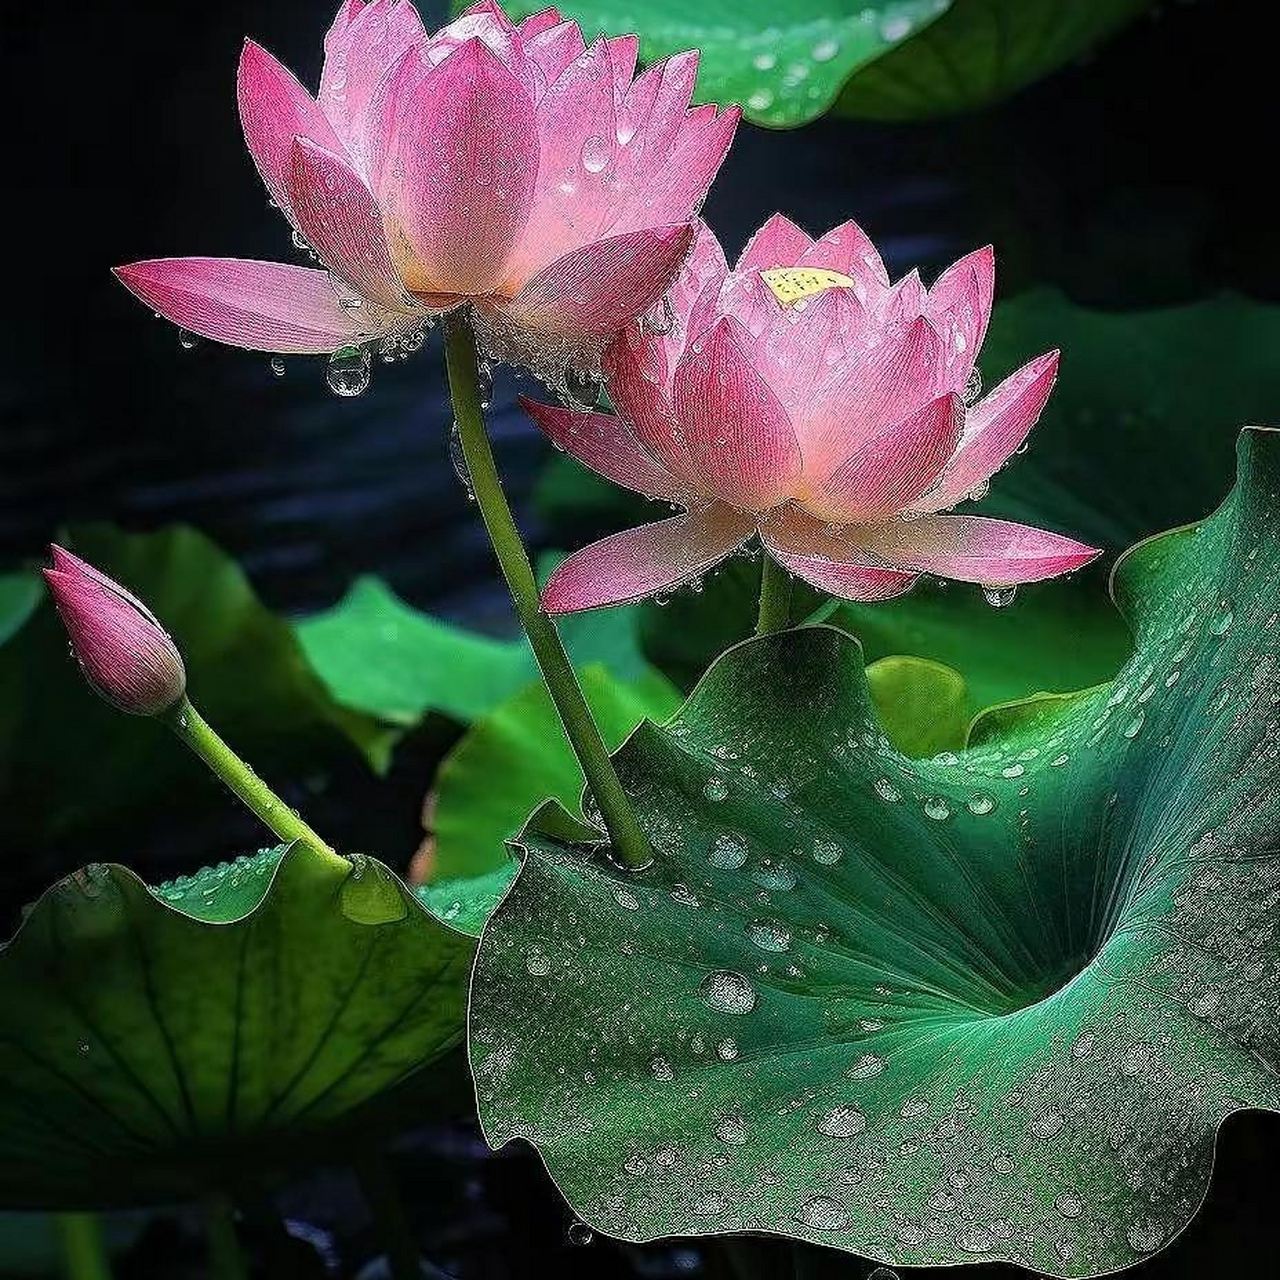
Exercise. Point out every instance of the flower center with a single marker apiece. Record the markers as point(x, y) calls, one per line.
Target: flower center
point(790, 284)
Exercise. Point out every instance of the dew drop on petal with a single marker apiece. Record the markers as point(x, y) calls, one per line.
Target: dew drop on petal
point(348, 373)
point(999, 597)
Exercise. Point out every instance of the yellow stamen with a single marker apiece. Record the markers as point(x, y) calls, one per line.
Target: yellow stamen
point(791, 284)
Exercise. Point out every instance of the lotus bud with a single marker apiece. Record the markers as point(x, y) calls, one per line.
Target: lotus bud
point(123, 651)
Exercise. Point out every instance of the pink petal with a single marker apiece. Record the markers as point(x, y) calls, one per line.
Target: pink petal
point(343, 224)
point(487, 23)
point(598, 290)
point(849, 250)
point(458, 178)
point(905, 301)
point(675, 186)
point(993, 432)
point(555, 49)
point(275, 109)
point(858, 401)
point(624, 51)
point(364, 43)
point(959, 304)
point(779, 243)
point(676, 79)
point(537, 23)
point(264, 306)
point(575, 194)
point(636, 374)
point(738, 434)
point(606, 444)
point(886, 475)
point(642, 562)
point(974, 549)
point(830, 562)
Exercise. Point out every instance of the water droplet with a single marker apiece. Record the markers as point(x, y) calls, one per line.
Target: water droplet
point(579, 1234)
point(887, 791)
point(760, 100)
point(277, 366)
point(595, 154)
point(774, 875)
point(661, 1070)
point(1069, 1204)
point(937, 808)
point(727, 1049)
point(999, 597)
point(981, 803)
point(841, 1122)
point(626, 899)
point(537, 963)
point(1225, 617)
point(662, 319)
point(826, 852)
point(728, 851)
point(913, 1107)
point(579, 389)
point(1047, 1124)
point(732, 1130)
point(187, 340)
point(1083, 1045)
point(1145, 1237)
point(715, 789)
point(458, 456)
point(635, 1165)
point(1003, 1165)
point(822, 1213)
point(348, 373)
point(727, 992)
point(768, 935)
point(764, 61)
point(868, 1065)
point(825, 50)
point(883, 1273)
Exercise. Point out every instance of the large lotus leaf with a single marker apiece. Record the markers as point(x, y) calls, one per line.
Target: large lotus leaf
point(381, 656)
point(155, 1044)
point(993, 1005)
point(72, 767)
point(1135, 437)
point(784, 63)
point(510, 761)
point(979, 52)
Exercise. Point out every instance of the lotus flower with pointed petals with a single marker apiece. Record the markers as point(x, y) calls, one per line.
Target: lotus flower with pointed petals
point(510, 167)
point(804, 400)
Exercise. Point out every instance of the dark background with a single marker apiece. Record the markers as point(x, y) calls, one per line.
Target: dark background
point(1141, 176)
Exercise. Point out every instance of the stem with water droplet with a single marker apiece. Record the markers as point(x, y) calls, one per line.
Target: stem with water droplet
point(196, 732)
point(775, 596)
point(83, 1248)
point(580, 727)
point(226, 1259)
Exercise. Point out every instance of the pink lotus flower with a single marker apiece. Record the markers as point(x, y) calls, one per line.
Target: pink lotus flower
point(804, 400)
point(123, 651)
point(506, 166)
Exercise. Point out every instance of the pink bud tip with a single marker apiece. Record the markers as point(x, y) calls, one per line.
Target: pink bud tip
point(124, 652)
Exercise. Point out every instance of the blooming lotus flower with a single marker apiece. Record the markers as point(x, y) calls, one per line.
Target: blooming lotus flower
point(510, 167)
point(123, 651)
point(804, 400)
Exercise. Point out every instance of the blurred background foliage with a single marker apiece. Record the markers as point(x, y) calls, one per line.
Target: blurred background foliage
point(332, 589)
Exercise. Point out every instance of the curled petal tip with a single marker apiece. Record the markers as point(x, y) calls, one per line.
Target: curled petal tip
point(123, 651)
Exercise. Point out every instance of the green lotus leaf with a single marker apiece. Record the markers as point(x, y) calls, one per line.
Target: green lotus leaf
point(381, 656)
point(73, 768)
point(978, 53)
point(923, 707)
point(511, 760)
point(159, 1043)
point(987, 1006)
point(784, 64)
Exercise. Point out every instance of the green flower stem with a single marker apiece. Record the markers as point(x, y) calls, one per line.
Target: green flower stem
point(226, 1260)
point(378, 1187)
point(775, 596)
point(557, 670)
point(257, 797)
point(84, 1250)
